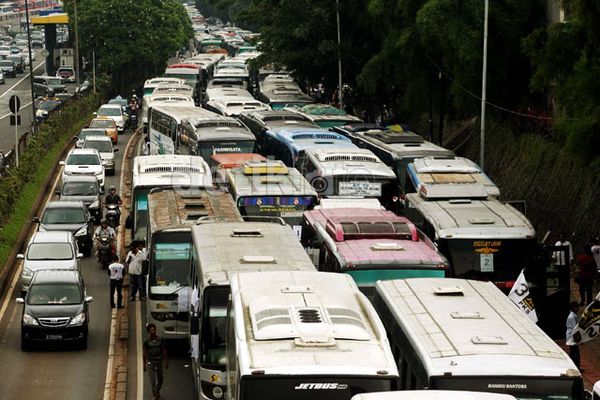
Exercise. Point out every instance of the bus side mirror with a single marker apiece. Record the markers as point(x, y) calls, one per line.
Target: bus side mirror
point(195, 324)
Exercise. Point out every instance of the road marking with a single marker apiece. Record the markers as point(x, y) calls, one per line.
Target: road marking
point(9, 294)
point(22, 107)
point(20, 80)
point(139, 350)
point(111, 354)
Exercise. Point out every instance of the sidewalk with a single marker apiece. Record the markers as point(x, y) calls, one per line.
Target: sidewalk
point(590, 351)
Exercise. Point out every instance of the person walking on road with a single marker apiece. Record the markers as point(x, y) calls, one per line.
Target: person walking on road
point(116, 270)
point(586, 275)
point(146, 147)
point(134, 260)
point(562, 260)
point(155, 357)
point(571, 324)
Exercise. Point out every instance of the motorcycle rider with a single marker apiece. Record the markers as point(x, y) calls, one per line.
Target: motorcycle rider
point(105, 231)
point(113, 198)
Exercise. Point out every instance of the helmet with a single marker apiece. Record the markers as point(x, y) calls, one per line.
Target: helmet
point(110, 189)
point(134, 96)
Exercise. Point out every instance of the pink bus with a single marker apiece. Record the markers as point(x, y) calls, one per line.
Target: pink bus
point(370, 245)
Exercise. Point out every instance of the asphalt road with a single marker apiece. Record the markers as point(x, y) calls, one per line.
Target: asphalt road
point(21, 87)
point(57, 371)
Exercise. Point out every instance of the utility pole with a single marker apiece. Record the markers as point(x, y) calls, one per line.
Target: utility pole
point(34, 121)
point(94, 69)
point(337, 12)
point(76, 45)
point(483, 86)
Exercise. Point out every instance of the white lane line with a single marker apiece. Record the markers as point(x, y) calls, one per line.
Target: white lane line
point(20, 80)
point(9, 294)
point(22, 107)
point(111, 354)
point(139, 350)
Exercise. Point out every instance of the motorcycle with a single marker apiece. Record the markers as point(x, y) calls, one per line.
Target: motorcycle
point(104, 252)
point(113, 215)
point(133, 121)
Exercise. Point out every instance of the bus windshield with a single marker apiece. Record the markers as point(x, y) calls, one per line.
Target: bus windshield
point(307, 387)
point(214, 328)
point(207, 149)
point(170, 262)
point(496, 260)
point(530, 388)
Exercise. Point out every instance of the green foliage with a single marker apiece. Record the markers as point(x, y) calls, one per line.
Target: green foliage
point(21, 186)
point(132, 39)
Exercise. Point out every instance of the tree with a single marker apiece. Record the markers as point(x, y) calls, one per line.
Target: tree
point(132, 40)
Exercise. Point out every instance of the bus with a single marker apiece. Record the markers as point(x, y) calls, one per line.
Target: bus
point(457, 334)
point(171, 215)
point(220, 163)
point(165, 125)
point(433, 395)
point(152, 83)
point(449, 177)
point(396, 149)
point(163, 99)
point(269, 188)
point(304, 336)
point(280, 91)
point(287, 143)
point(230, 92)
point(163, 171)
point(205, 136)
point(369, 245)
point(325, 115)
point(220, 250)
point(234, 106)
point(191, 76)
point(482, 238)
point(347, 172)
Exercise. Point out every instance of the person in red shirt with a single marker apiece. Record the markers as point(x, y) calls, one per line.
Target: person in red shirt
point(586, 275)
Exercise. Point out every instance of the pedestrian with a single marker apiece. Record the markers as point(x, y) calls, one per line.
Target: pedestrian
point(571, 324)
point(134, 260)
point(155, 357)
point(116, 271)
point(596, 251)
point(586, 275)
point(146, 147)
point(562, 260)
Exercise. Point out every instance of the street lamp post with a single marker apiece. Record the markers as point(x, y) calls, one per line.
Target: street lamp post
point(30, 62)
point(76, 45)
point(337, 12)
point(483, 86)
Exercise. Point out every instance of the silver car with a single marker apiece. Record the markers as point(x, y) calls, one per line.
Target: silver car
point(49, 250)
point(105, 147)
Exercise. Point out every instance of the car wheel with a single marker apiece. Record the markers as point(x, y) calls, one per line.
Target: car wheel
point(25, 344)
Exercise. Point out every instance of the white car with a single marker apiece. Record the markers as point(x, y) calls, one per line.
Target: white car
point(48, 250)
point(104, 146)
point(84, 162)
point(114, 112)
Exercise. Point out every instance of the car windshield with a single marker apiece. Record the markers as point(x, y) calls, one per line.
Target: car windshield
point(80, 189)
point(83, 159)
point(67, 215)
point(65, 71)
point(59, 293)
point(100, 145)
point(6, 63)
point(121, 102)
point(54, 81)
point(109, 111)
point(94, 132)
point(50, 251)
point(14, 58)
point(102, 123)
point(47, 105)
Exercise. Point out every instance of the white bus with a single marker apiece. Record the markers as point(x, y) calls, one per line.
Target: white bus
point(482, 238)
point(432, 395)
point(164, 125)
point(164, 99)
point(304, 335)
point(172, 213)
point(174, 171)
point(456, 334)
point(151, 84)
point(220, 250)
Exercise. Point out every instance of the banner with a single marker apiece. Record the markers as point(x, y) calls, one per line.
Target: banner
point(588, 326)
point(519, 294)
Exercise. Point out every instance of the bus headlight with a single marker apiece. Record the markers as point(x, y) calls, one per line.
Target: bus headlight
point(217, 392)
point(162, 316)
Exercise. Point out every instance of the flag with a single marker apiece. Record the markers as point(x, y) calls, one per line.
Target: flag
point(588, 326)
point(519, 294)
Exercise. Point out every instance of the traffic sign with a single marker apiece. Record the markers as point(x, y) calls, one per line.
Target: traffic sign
point(14, 104)
point(14, 122)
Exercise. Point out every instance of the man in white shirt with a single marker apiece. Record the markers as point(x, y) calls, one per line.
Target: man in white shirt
point(562, 260)
point(571, 324)
point(116, 270)
point(135, 259)
point(596, 251)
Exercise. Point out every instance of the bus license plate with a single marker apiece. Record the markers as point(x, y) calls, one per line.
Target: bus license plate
point(359, 189)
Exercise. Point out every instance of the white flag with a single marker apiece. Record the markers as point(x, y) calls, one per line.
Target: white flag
point(519, 294)
point(588, 326)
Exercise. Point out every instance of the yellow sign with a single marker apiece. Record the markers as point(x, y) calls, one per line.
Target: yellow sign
point(487, 246)
point(215, 378)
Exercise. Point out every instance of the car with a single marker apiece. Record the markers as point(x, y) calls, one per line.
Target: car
point(8, 67)
point(37, 43)
point(71, 216)
point(83, 162)
point(114, 112)
point(107, 152)
point(17, 59)
point(85, 132)
point(124, 106)
point(48, 250)
point(2, 77)
point(47, 86)
point(45, 107)
point(55, 309)
point(67, 74)
point(109, 125)
point(84, 188)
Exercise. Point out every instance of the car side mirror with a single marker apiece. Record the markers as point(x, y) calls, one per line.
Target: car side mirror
point(61, 163)
point(79, 255)
point(35, 219)
point(89, 299)
point(20, 300)
point(115, 150)
point(20, 256)
point(95, 113)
